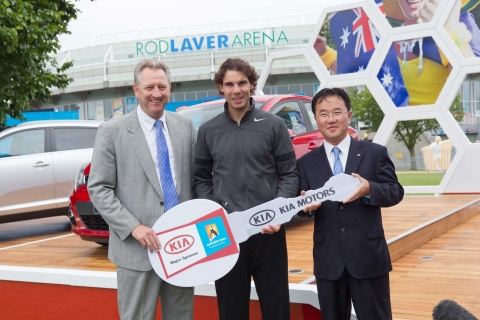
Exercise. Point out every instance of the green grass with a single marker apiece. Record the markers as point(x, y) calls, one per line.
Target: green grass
point(419, 178)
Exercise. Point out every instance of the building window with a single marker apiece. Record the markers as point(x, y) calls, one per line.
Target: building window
point(131, 103)
point(118, 106)
point(282, 89)
point(190, 96)
point(179, 97)
point(295, 89)
point(90, 110)
point(107, 109)
point(202, 94)
point(99, 110)
point(69, 107)
point(307, 89)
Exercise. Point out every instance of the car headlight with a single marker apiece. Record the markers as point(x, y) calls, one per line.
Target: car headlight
point(81, 179)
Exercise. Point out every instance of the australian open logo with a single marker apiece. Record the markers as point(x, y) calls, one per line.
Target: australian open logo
point(179, 244)
point(262, 217)
point(212, 231)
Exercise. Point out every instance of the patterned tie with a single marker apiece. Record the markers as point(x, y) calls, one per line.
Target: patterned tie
point(337, 165)
point(168, 187)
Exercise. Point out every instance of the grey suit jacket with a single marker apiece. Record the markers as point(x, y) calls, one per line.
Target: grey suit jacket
point(123, 184)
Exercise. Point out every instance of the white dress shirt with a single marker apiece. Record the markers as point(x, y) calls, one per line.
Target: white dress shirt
point(147, 124)
point(344, 146)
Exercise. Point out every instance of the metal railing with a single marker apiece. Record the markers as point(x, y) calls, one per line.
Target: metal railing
point(437, 160)
point(430, 161)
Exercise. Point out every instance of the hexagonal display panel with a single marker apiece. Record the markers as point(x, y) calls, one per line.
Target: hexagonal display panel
point(291, 75)
point(414, 72)
point(466, 107)
point(367, 114)
point(408, 12)
point(421, 152)
point(348, 36)
point(462, 27)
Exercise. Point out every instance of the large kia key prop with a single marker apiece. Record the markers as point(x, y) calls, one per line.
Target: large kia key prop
point(200, 240)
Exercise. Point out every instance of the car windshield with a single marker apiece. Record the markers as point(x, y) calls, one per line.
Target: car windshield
point(200, 115)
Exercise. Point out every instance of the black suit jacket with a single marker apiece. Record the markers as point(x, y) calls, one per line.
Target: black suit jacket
point(352, 234)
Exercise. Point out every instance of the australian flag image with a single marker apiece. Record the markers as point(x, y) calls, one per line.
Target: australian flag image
point(356, 38)
point(390, 76)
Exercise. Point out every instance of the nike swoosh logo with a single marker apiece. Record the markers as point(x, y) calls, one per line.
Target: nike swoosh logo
point(256, 120)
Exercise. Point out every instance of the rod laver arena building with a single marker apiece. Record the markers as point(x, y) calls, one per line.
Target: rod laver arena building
point(103, 70)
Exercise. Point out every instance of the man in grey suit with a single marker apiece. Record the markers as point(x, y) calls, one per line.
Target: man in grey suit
point(141, 167)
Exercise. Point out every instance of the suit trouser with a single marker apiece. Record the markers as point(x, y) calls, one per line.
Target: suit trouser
point(371, 297)
point(264, 257)
point(138, 293)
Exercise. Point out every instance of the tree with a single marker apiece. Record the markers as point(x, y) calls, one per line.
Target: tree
point(367, 110)
point(29, 31)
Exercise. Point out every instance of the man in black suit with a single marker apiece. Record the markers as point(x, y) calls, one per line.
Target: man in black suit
point(351, 258)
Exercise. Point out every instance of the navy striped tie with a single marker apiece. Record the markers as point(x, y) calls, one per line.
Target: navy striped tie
point(168, 187)
point(337, 165)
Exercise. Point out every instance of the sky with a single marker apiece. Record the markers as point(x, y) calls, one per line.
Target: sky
point(103, 16)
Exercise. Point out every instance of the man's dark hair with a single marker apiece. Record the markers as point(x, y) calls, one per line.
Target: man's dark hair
point(236, 64)
point(331, 92)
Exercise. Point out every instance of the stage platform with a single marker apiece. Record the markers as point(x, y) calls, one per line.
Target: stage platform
point(55, 270)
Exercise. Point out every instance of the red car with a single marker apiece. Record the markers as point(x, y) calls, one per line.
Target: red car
point(85, 220)
point(295, 110)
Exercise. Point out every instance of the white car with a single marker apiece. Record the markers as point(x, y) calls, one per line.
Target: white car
point(39, 161)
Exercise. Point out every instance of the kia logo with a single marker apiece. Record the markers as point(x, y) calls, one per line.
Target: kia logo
point(262, 217)
point(179, 244)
